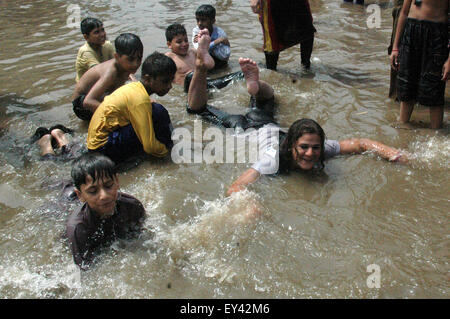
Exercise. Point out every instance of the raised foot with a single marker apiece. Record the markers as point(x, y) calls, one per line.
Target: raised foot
point(203, 59)
point(251, 74)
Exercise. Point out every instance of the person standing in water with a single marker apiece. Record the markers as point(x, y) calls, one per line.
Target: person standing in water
point(285, 23)
point(421, 56)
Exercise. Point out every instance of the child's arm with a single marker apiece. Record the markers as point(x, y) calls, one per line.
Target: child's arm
point(358, 146)
point(223, 40)
point(248, 177)
point(400, 26)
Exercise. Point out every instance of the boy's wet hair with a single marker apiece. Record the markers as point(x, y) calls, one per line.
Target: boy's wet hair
point(173, 30)
point(96, 165)
point(129, 44)
point(158, 64)
point(89, 24)
point(206, 10)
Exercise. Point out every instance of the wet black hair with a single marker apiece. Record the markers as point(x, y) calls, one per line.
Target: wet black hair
point(96, 165)
point(129, 44)
point(173, 30)
point(206, 10)
point(89, 24)
point(158, 64)
point(297, 130)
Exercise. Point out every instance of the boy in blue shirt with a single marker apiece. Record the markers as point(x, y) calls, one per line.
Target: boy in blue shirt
point(219, 48)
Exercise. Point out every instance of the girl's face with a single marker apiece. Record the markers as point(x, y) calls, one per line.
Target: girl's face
point(306, 151)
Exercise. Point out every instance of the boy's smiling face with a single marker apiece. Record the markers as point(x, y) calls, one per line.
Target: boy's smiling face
point(179, 44)
point(100, 195)
point(96, 37)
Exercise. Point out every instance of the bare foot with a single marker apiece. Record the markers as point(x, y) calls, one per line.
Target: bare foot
point(204, 60)
point(60, 137)
point(45, 143)
point(251, 74)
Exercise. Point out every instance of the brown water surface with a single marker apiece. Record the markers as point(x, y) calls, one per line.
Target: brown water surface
point(317, 234)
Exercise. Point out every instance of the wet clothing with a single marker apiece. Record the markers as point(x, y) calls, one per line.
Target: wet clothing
point(123, 142)
point(68, 153)
point(87, 57)
point(87, 232)
point(220, 51)
point(422, 53)
point(286, 23)
point(216, 83)
point(270, 138)
point(129, 104)
point(260, 114)
point(80, 111)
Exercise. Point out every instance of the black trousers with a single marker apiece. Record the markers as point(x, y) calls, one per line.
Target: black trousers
point(306, 48)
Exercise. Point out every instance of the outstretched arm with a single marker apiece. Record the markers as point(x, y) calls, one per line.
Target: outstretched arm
point(400, 26)
point(361, 145)
point(248, 177)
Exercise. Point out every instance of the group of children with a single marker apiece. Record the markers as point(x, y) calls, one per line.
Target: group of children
point(124, 121)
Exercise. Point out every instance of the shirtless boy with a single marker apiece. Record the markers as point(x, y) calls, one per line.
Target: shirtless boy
point(104, 78)
point(180, 52)
point(420, 54)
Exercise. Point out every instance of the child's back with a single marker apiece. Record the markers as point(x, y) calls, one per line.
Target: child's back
point(106, 77)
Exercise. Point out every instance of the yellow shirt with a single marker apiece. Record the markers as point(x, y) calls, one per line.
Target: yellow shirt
point(128, 104)
point(87, 57)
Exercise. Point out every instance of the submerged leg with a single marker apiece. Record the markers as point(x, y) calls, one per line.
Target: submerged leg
point(306, 48)
point(271, 60)
point(406, 108)
point(259, 89)
point(436, 117)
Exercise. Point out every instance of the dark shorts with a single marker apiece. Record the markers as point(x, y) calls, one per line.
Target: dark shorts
point(123, 143)
point(422, 54)
point(260, 114)
point(80, 111)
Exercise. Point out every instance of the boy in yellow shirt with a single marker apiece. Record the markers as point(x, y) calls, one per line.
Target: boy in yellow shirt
point(127, 122)
point(96, 49)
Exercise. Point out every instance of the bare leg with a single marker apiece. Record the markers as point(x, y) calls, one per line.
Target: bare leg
point(436, 117)
point(60, 137)
point(45, 143)
point(256, 87)
point(406, 109)
point(197, 94)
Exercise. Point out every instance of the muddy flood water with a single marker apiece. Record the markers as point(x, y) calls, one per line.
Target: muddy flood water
point(318, 237)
